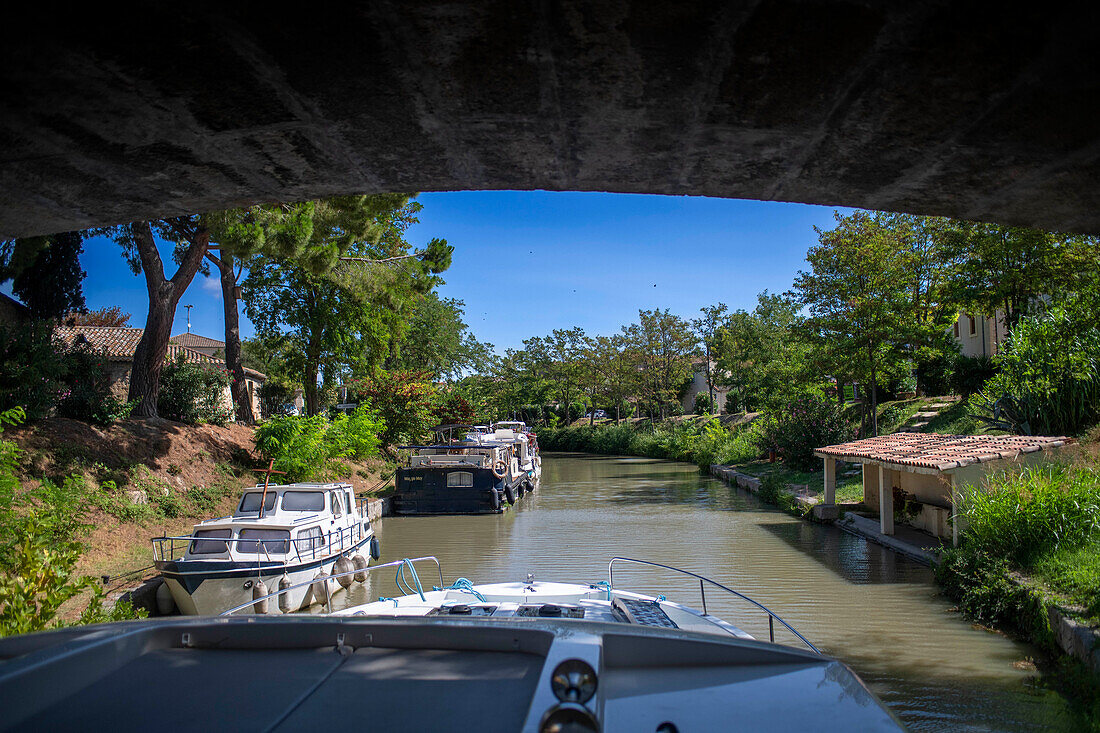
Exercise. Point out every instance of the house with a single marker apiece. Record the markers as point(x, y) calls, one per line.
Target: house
point(118, 345)
point(927, 472)
point(979, 335)
point(12, 311)
point(699, 384)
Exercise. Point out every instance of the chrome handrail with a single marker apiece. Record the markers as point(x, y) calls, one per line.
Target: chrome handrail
point(405, 562)
point(313, 548)
point(703, 593)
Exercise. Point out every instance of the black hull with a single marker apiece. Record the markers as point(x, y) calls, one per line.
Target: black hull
point(424, 491)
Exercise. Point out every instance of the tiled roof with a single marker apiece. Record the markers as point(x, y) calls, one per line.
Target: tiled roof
point(119, 344)
point(939, 452)
point(195, 341)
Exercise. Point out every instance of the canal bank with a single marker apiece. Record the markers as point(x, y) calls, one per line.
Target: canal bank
point(879, 612)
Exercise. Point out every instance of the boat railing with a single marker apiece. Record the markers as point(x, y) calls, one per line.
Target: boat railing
point(299, 548)
point(412, 582)
point(703, 581)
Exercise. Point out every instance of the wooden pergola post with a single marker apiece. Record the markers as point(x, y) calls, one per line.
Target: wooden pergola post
point(830, 480)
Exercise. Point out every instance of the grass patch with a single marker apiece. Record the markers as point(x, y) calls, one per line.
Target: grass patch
point(848, 488)
point(954, 420)
point(1074, 573)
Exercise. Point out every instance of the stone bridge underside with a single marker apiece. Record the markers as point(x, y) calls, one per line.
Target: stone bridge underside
point(955, 108)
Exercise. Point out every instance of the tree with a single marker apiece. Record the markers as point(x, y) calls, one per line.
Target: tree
point(191, 237)
point(560, 354)
point(311, 234)
point(615, 370)
point(112, 317)
point(1000, 267)
point(438, 341)
point(51, 286)
point(663, 344)
point(346, 318)
point(856, 293)
point(706, 330)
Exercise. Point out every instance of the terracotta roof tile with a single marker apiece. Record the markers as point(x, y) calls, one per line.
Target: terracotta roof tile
point(940, 452)
point(120, 343)
point(195, 341)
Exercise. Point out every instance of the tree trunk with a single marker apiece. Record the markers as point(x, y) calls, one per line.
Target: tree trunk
point(233, 363)
point(309, 385)
point(164, 295)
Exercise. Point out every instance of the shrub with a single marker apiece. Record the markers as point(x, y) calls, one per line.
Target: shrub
point(805, 424)
point(40, 544)
point(1049, 374)
point(934, 371)
point(87, 395)
point(193, 393)
point(31, 371)
point(970, 373)
point(405, 402)
point(307, 447)
point(704, 405)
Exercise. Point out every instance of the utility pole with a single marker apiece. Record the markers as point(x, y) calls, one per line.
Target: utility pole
point(188, 307)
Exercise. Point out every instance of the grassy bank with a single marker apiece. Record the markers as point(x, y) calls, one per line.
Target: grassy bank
point(1033, 541)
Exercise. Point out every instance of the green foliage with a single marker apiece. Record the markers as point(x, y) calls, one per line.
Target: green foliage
point(805, 424)
point(406, 403)
point(50, 284)
point(310, 447)
point(1049, 378)
point(40, 544)
point(438, 341)
point(88, 395)
point(704, 405)
point(31, 372)
point(193, 393)
point(970, 373)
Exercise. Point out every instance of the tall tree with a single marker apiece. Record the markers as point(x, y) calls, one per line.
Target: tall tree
point(346, 318)
point(45, 273)
point(664, 345)
point(438, 341)
point(856, 292)
point(1000, 267)
point(191, 237)
point(706, 330)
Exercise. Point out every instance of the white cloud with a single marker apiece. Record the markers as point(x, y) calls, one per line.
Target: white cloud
point(212, 285)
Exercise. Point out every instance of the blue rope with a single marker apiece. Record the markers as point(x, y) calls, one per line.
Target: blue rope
point(404, 585)
point(661, 598)
point(466, 586)
point(383, 598)
point(602, 585)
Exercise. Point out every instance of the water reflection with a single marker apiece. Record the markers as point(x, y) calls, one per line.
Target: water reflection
point(875, 610)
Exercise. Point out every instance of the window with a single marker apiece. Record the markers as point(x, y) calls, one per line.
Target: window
point(268, 541)
point(310, 540)
point(460, 478)
point(956, 329)
point(351, 500)
point(250, 502)
point(337, 509)
point(973, 326)
point(210, 547)
point(303, 501)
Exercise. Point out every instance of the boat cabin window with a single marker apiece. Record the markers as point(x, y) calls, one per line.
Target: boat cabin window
point(304, 501)
point(270, 541)
point(310, 539)
point(351, 501)
point(209, 547)
point(337, 508)
point(460, 478)
point(250, 502)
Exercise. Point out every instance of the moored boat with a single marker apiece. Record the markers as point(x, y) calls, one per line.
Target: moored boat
point(466, 471)
point(279, 536)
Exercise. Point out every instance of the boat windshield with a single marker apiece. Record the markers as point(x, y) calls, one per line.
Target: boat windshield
point(209, 547)
point(304, 501)
point(270, 541)
point(250, 502)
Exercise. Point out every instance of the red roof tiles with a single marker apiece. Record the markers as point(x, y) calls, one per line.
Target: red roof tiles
point(195, 341)
point(119, 344)
point(939, 452)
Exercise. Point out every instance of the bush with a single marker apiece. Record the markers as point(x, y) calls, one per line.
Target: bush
point(970, 373)
point(1049, 374)
point(934, 371)
point(40, 544)
point(193, 393)
point(704, 405)
point(87, 394)
point(31, 370)
point(309, 447)
point(807, 423)
point(404, 400)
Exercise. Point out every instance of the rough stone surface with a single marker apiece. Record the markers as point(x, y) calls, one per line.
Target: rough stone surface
point(1075, 639)
point(168, 108)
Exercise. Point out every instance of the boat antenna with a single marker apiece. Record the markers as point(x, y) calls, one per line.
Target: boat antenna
point(267, 477)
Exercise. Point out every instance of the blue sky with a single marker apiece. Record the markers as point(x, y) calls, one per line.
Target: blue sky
point(529, 262)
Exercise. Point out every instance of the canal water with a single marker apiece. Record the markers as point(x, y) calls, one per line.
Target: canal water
point(873, 609)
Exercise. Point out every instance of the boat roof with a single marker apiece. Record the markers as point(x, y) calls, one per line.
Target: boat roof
point(454, 446)
point(303, 485)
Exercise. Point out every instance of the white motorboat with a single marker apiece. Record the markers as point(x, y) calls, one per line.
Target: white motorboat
point(525, 449)
point(531, 656)
point(279, 537)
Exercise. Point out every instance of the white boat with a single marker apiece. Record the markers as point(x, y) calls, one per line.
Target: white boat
point(279, 537)
point(525, 448)
point(529, 656)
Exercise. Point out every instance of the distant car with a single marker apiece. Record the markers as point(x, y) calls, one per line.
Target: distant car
point(600, 415)
point(289, 409)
